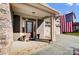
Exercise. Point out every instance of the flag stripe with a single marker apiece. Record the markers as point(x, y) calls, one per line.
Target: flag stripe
point(66, 23)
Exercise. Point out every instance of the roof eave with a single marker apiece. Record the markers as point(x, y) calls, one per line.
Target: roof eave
point(52, 9)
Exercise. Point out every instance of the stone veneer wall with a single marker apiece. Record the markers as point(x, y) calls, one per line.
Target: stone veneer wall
point(47, 28)
point(57, 24)
point(6, 31)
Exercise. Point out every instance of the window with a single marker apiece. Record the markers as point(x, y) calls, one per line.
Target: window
point(29, 26)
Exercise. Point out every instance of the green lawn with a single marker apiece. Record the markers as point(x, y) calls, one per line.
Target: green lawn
point(73, 33)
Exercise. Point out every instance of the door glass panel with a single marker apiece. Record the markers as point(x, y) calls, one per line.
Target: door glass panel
point(29, 26)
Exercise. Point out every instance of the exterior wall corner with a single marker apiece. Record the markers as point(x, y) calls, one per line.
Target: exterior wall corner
point(6, 30)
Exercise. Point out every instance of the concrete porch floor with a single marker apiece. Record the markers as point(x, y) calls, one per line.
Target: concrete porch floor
point(26, 48)
point(63, 46)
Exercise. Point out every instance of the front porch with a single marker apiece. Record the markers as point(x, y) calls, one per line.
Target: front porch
point(32, 23)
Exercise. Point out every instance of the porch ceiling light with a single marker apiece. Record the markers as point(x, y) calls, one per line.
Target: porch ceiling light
point(33, 12)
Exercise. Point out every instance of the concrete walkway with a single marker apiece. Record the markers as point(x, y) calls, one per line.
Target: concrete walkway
point(63, 46)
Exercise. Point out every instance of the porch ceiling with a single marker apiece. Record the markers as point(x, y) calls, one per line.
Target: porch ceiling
point(29, 9)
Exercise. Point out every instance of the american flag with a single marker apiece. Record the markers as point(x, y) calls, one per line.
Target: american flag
point(66, 22)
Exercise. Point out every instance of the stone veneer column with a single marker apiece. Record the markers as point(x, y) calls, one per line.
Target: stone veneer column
point(6, 31)
point(53, 28)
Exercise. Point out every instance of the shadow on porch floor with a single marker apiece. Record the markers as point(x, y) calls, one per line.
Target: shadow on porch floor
point(41, 40)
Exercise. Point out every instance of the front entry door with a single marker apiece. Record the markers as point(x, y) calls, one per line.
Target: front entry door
point(29, 27)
